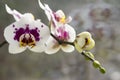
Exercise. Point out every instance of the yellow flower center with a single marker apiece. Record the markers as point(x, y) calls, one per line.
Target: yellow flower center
point(63, 19)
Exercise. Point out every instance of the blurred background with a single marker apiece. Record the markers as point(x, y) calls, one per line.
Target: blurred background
point(100, 17)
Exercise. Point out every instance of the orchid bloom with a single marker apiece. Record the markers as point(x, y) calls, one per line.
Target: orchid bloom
point(60, 30)
point(84, 42)
point(55, 18)
point(25, 33)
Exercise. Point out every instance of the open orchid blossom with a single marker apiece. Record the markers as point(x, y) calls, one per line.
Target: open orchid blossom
point(84, 42)
point(25, 33)
point(55, 18)
point(61, 32)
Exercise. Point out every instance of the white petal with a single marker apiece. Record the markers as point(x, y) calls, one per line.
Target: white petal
point(26, 19)
point(15, 13)
point(60, 13)
point(48, 12)
point(41, 5)
point(69, 19)
point(71, 31)
point(46, 9)
point(18, 15)
point(9, 34)
point(67, 48)
point(15, 49)
point(38, 48)
point(52, 46)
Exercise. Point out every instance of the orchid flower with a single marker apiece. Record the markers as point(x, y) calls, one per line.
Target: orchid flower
point(55, 18)
point(61, 32)
point(25, 33)
point(84, 42)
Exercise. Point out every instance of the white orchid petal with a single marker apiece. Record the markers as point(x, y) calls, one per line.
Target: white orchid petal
point(67, 48)
point(72, 33)
point(69, 19)
point(9, 34)
point(27, 18)
point(60, 13)
point(52, 46)
point(46, 9)
point(15, 49)
point(38, 48)
point(48, 12)
point(15, 13)
point(41, 5)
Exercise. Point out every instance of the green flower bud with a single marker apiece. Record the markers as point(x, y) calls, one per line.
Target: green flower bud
point(90, 54)
point(102, 70)
point(96, 64)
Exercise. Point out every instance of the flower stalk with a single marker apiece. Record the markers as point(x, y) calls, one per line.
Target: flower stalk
point(96, 64)
point(3, 43)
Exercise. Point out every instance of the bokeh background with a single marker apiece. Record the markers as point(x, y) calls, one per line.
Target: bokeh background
point(100, 17)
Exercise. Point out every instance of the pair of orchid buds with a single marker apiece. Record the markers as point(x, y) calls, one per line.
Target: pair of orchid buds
point(28, 33)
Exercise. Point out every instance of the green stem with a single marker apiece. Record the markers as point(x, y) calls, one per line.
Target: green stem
point(3, 43)
point(87, 56)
